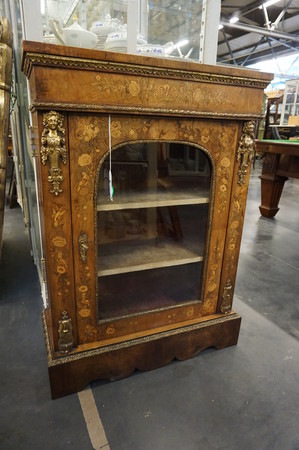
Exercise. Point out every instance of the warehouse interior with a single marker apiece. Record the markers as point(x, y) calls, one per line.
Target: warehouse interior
point(240, 397)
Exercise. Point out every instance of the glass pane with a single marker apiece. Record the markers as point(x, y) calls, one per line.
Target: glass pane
point(21, 136)
point(290, 96)
point(174, 28)
point(151, 237)
point(163, 28)
point(85, 24)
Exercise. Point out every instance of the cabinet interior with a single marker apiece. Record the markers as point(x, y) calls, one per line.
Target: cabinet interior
point(153, 230)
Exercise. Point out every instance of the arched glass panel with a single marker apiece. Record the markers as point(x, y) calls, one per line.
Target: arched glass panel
point(151, 237)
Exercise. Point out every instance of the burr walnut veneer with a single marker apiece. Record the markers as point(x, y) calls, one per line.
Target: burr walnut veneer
point(143, 274)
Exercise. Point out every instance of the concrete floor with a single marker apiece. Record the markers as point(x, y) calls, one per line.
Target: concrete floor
point(243, 397)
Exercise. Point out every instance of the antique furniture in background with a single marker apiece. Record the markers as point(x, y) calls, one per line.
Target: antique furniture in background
point(283, 132)
point(143, 167)
point(273, 111)
point(290, 104)
point(281, 162)
point(5, 85)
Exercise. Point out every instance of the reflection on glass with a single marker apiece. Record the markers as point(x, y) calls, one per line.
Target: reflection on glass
point(151, 237)
point(163, 28)
point(290, 106)
point(176, 26)
point(24, 164)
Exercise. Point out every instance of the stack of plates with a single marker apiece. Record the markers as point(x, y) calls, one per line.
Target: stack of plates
point(117, 41)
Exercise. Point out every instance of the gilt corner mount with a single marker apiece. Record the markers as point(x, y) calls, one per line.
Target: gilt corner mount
point(53, 147)
point(246, 150)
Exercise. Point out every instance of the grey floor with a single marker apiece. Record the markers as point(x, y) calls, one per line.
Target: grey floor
point(243, 397)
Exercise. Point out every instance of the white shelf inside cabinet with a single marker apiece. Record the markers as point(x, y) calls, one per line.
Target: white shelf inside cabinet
point(128, 257)
point(153, 199)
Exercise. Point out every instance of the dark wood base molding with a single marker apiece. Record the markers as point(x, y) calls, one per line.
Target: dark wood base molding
point(71, 373)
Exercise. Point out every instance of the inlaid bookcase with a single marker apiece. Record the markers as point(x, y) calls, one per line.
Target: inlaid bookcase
point(142, 167)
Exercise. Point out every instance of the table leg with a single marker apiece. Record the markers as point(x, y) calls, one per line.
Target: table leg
point(271, 185)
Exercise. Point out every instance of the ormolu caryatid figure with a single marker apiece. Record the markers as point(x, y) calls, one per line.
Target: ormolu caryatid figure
point(246, 149)
point(53, 147)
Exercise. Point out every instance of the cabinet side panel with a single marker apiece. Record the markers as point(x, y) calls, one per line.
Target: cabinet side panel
point(223, 145)
point(57, 228)
point(37, 129)
point(242, 166)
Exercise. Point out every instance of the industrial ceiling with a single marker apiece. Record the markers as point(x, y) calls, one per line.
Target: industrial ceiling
point(262, 30)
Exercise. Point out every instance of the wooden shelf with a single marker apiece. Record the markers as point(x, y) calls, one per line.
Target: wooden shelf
point(131, 257)
point(153, 199)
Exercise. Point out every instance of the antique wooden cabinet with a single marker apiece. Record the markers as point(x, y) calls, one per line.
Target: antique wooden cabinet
point(143, 168)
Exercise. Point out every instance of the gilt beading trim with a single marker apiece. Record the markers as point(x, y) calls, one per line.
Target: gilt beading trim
point(131, 109)
point(136, 69)
point(126, 344)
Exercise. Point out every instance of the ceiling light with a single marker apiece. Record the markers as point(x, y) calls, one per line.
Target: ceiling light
point(268, 3)
point(234, 19)
point(220, 27)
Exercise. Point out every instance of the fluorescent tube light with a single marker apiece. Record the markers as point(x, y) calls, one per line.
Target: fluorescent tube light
point(268, 3)
point(234, 19)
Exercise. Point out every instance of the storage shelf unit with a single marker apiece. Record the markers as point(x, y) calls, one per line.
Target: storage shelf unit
point(290, 104)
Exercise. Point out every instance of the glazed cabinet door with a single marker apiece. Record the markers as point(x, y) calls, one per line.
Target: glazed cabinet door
point(150, 253)
point(153, 230)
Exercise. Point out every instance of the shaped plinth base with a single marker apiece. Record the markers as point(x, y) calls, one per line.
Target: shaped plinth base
point(71, 373)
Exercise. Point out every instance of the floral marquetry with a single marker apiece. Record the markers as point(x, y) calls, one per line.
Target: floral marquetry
point(87, 130)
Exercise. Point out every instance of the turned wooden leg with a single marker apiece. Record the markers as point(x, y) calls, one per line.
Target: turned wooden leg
point(271, 185)
point(271, 190)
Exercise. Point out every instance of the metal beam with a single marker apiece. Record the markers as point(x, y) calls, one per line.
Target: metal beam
point(244, 10)
point(253, 50)
point(285, 44)
point(259, 30)
point(225, 59)
point(228, 46)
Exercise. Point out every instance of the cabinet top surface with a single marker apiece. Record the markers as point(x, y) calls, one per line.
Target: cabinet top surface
point(53, 55)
